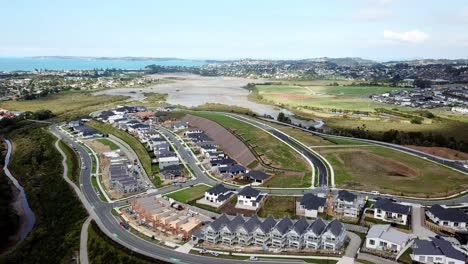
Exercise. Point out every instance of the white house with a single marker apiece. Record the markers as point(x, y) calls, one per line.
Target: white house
point(392, 212)
point(437, 250)
point(348, 204)
point(168, 161)
point(334, 236)
point(313, 236)
point(279, 233)
point(448, 217)
point(386, 238)
point(218, 194)
point(310, 205)
point(250, 198)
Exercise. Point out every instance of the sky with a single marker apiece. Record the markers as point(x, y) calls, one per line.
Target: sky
point(234, 29)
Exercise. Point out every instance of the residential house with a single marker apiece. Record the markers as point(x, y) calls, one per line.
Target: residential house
point(256, 176)
point(310, 205)
point(334, 236)
point(389, 211)
point(218, 194)
point(245, 232)
point(168, 161)
point(171, 172)
point(313, 235)
point(213, 230)
point(436, 250)
point(386, 238)
point(348, 204)
point(448, 217)
point(250, 198)
point(279, 233)
point(261, 233)
point(228, 232)
point(297, 233)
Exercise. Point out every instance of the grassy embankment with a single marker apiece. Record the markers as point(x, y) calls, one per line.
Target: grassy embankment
point(103, 250)
point(108, 143)
point(73, 162)
point(379, 168)
point(59, 214)
point(270, 150)
point(134, 143)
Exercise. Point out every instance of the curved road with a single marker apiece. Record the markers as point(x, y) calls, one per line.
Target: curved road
point(101, 211)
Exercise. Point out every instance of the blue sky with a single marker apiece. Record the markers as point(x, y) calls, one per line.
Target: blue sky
point(222, 29)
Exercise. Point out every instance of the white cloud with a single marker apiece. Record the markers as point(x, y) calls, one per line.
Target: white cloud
point(412, 36)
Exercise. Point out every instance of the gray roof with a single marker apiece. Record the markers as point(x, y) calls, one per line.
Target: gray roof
point(220, 222)
point(268, 224)
point(388, 233)
point(335, 227)
point(236, 168)
point(249, 191)
point(448, 214)
point(237, 221)
point(437, 247)
point(284, 225)
point(223, 197)
point(312, 202)
point(256, 175)
point(318, 226)
point(301, 226)
point(346, 196)
point(391, 206)
point(218, 189)
point(252, 223)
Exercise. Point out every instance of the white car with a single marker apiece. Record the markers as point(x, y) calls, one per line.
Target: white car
point(253, 258)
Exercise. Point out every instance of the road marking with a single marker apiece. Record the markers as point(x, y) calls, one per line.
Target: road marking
point(115, 235)
point(174, 259)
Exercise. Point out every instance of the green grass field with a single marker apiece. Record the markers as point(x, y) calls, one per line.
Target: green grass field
point(136, 145)
point(73, 162)
point(279, 206)
point(387, 170)
point(108, 143)
point(189, 194)
point(68, 104)
point(271, 150)
point(330, 97)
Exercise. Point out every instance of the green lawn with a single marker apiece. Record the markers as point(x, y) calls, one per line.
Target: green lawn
point(386, 170)
point(282, 180)
point(96, 187)
point(136, 145)
point(189, 194)
point(108, 143)
point(270, 149)
point(73, 162)
point(279, 206)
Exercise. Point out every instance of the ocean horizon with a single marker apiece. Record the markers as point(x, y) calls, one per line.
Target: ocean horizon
point(9, 64)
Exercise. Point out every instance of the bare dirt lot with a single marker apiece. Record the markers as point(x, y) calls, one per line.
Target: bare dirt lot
point(442, 152)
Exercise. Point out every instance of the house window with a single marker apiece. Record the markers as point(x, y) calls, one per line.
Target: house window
point(445, 223)
point(379, 211)
point(422, 259)
point(372, 242)
point(455, 224)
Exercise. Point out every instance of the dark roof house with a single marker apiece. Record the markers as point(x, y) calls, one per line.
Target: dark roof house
point(388, 205)
point(312, 202)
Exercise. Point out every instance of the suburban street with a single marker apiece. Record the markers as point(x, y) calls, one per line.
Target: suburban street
point(100, 211)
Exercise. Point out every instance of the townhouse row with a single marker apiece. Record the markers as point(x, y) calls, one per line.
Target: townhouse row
point(281, 233)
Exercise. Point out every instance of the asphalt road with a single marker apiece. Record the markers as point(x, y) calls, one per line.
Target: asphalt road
point(323, 172)
point(101, 211)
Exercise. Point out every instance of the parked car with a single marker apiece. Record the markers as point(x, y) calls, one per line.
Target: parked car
point(203, 251)
point(214, 254)
point(253, 258)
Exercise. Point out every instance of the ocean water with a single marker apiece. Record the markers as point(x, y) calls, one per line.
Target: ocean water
point(30, 64)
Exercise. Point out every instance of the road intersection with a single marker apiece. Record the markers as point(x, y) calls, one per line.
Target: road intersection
point(101, 211)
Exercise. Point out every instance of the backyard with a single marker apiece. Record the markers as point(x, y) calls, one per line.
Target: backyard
point(279, 206)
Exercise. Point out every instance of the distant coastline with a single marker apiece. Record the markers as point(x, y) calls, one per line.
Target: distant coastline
point(59, 63)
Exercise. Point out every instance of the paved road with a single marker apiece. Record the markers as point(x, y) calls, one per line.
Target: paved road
point(418, 223)
point(323, 171)
point(447, 162)
point(101, 211)
point(84, 242)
